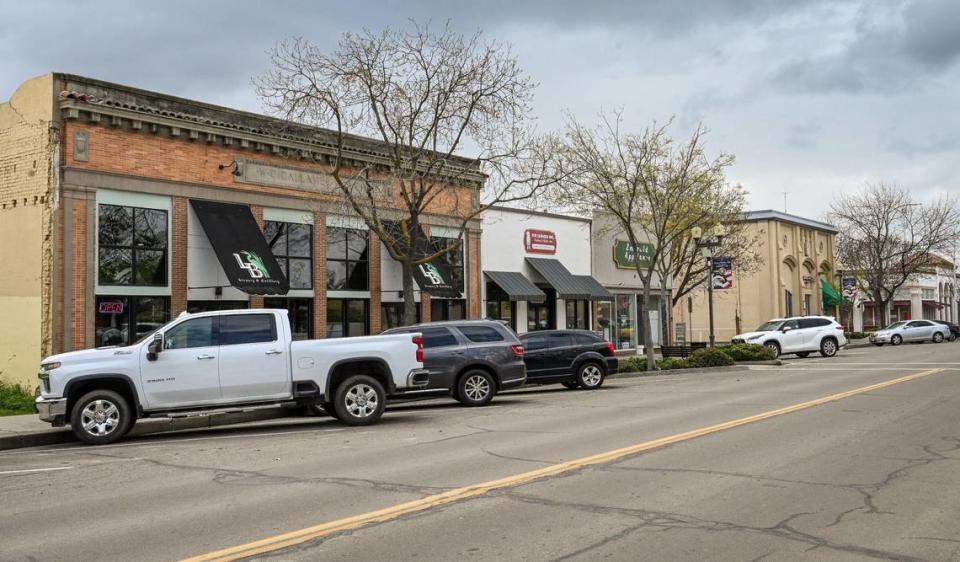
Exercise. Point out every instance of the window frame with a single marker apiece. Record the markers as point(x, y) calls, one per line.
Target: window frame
point(453, 259)
point(345, 258)
point(274, 334)
point(133, 248)
point(344, 321)
point(284, 229)
point(214, 333)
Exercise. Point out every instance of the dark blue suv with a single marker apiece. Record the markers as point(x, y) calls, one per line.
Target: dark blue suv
point(470, 359)
point(573, 358)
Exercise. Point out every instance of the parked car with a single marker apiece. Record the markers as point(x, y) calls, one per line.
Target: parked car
point(800, 335)
point(226, 361)
point(573, 358)
point(910, 331)
point(470, 359)
point(954, 329)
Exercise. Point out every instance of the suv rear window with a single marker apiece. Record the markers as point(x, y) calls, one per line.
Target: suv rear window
point(813, 322)
point(437, 337)
point(480, 334)
point(585, 339)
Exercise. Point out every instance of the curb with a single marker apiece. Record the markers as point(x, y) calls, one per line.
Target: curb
point(147, 426)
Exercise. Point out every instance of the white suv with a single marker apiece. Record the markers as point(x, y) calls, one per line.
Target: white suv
point(800, 335)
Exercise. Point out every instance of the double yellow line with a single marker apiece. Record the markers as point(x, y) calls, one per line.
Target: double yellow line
point(293, 538)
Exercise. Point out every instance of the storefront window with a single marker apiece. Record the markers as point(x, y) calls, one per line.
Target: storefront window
point(499, 306)
point(392, 314)
point(447, 309)
point(123, 320)
point(347, 259)
point(539, 316)
point(787, 303)
point(453, 258)
point(300, 312)
point(578, 313)
point(292, 245)
point(347, 318)
point(624, 323)
point(132, 246)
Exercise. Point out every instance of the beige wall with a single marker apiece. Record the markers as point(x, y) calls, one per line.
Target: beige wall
point(789, 252)
point(26, 151)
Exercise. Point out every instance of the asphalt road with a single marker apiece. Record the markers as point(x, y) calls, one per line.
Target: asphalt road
point(874, 475)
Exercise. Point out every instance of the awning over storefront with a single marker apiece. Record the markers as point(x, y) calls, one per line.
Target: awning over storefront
point(241, 248)
point(435, 276)
point(567, 285)
point(516, 286)
point(597, 291)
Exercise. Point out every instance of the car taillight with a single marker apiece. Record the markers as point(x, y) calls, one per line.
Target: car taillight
point(839, 327)
point(517, 350)
point(418, 341)
point(610, 349)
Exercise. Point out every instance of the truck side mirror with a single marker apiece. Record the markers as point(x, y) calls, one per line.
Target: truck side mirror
point(154, 347)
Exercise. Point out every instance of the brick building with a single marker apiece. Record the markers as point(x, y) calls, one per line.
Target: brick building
point(104, 236)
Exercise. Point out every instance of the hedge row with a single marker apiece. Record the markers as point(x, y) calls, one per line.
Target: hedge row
point(721, 356)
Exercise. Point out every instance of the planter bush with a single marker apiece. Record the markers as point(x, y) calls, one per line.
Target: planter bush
point(672, 363)
point(747, 352)
point(709, 357)
point(15, 400)
point(632, 364)
point(857, 335)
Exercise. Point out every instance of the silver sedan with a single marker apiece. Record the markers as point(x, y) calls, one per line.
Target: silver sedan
point(910, 331)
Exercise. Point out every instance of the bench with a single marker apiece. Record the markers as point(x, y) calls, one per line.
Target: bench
point(682, 351)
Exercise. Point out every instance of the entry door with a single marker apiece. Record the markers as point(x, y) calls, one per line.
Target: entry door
point(535, 355)
point(254, 363)
point(186, 371)
point(792, 339)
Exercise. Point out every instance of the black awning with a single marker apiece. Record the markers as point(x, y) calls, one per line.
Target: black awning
point(241, 248)
point(597, 291)
point(567, 285)
point(516, 286)
point(434, 276)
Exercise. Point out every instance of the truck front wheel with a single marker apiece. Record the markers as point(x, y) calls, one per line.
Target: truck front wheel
point(359, 400)
point(100, 417)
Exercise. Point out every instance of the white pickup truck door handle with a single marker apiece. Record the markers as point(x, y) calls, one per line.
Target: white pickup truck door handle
point(204, 356)
point(273, 352)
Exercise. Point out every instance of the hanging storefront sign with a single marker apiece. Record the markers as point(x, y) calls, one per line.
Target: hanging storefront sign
point(722, 272)
point(849, 288)
point(539, 242)
point(627, 256)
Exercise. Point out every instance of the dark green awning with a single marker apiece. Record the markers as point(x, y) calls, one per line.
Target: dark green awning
point(597, 291)
point(568, 285)
point(830, 295)
point(516, 286)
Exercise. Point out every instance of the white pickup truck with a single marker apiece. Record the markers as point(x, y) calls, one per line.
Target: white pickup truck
point(220, 362)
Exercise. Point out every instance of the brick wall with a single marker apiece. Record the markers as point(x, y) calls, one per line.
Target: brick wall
point(319, 275)
point(178, 256)
point(78, 275)
point(376, 325)
point(256, 301)
point(473, 270)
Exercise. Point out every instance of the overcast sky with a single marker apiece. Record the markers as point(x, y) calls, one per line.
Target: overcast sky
point(811, 97)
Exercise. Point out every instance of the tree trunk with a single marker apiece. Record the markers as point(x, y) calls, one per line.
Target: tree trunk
point(879, 305)
point(409, 304)
point(643, 321)
point(666, 311)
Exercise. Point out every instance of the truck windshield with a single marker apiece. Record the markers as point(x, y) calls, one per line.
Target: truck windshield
point(770, 326)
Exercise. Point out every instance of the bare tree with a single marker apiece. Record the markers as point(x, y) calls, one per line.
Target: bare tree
point(888, 238)
point(654, 189)
point(424, 96)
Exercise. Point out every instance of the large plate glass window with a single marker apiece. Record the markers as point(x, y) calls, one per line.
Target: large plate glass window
point(453, 258)
point(499, 305)
point(132, 246)
point(123, 320)
point(392, 314)
point(447, 309)
point(292, 245)
point(347, 259)
point(300, 312)
point(347, 317)
point(577, 314)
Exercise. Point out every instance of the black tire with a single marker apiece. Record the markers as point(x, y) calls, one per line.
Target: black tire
point(938, 337)
point(590, 375)
point(353, 397)
point(896, 339)
point(803, 354)
point(572, 385)
point(829, 347)
point(101, 417)
point(476, 388)
point(952, 337)
point(774, 347)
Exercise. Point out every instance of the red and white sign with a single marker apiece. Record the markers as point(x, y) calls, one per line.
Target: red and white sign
point(110, 308)
point(539, 241)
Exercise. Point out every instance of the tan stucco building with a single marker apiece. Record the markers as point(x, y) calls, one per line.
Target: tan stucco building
point(795, 253)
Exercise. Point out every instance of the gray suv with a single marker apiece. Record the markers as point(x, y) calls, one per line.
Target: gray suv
point(471, 359)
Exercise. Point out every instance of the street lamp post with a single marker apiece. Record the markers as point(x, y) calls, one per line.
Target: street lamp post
point(707, 246)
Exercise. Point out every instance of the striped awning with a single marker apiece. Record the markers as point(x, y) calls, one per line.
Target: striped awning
point(568, 285)
point(516, 286)
point(597, 291)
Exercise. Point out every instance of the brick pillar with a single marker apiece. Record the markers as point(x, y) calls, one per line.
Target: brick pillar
point(376, 291)
point(256, 301)
point(473, 272)
point(319, 275)
point(61, 312)
point(178, 256)
point(78, 276)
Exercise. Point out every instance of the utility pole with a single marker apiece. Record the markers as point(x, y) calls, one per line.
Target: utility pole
point(784, 200)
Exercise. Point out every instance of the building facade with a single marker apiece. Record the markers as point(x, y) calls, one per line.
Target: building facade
point(930, 295)
point(121, 208)
point(795, 254)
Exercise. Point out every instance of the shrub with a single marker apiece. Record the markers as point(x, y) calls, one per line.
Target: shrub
point(632, 364)
point(747, 352)
point(857, 335)
point(15, 400)
point(672, 363)
point(709, 357)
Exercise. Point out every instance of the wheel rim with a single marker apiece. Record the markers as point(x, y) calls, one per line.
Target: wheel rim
point(591, 375)
point(361, 400)
point(773, 348)
point(938, 337)
point(476, 387)
point(895, 340)
point(100, 417)
point(829, 347)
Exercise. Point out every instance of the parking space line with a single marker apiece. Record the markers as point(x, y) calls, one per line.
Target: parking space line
point(293, 538)
point(33, 470)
